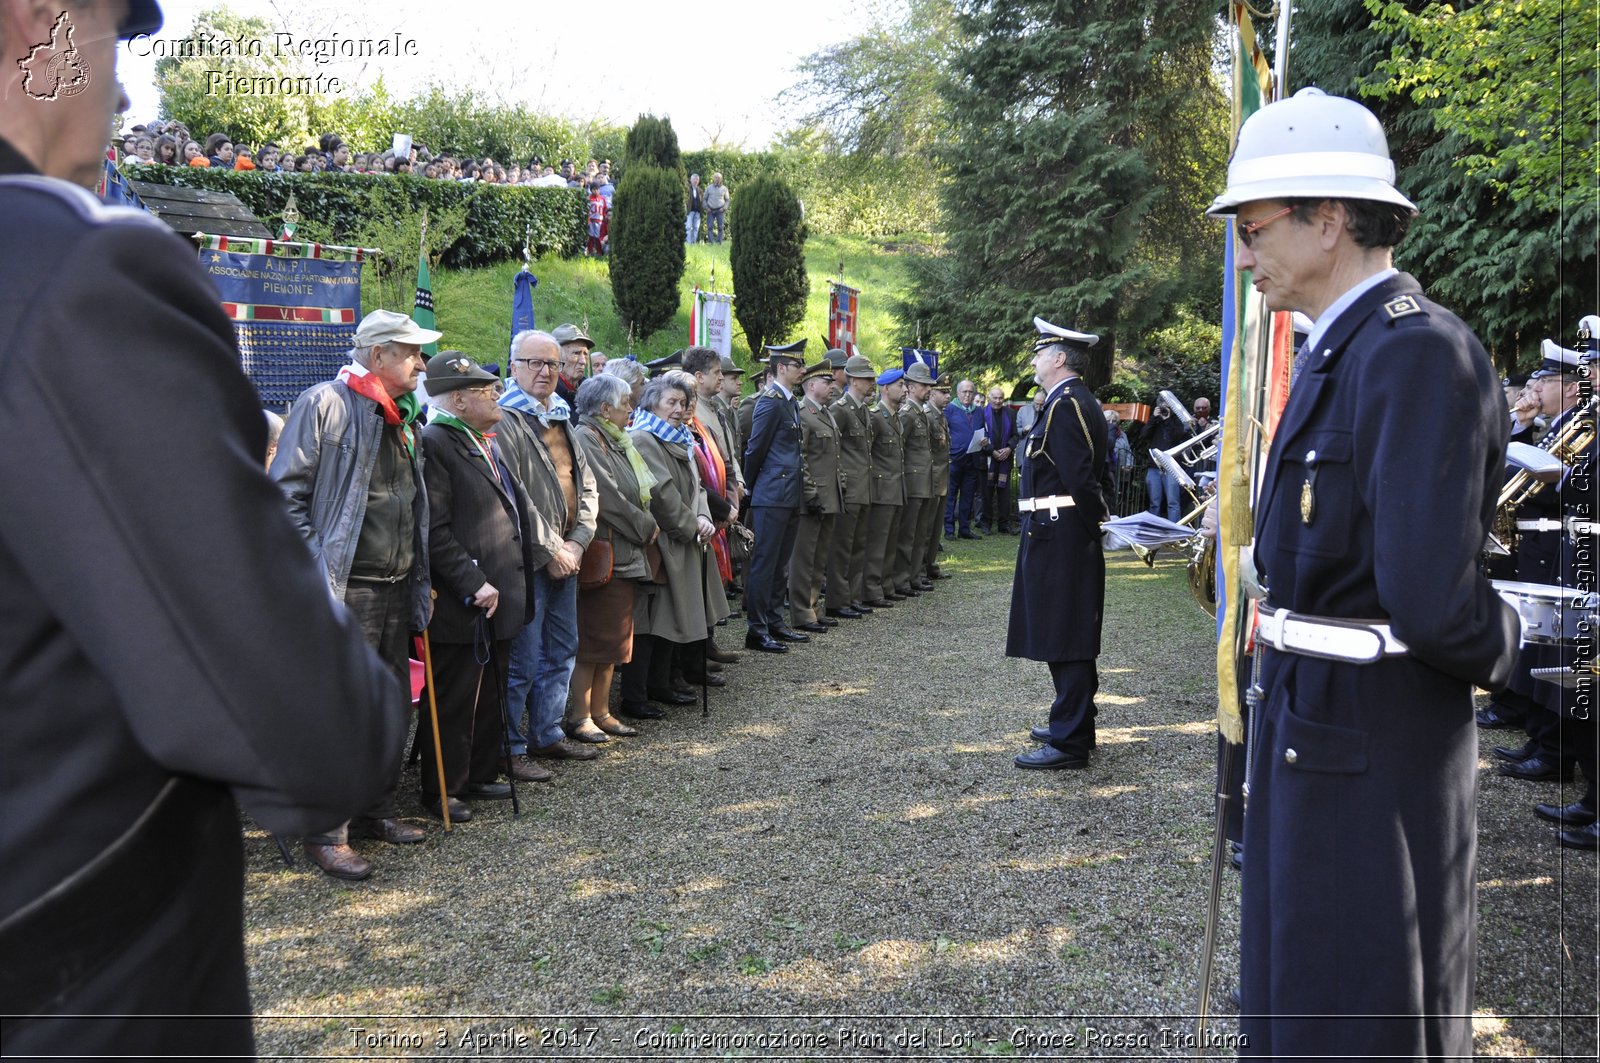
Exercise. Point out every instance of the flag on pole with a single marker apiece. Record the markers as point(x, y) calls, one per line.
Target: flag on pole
point(843, 303)
point(710, 322)
point(422, 311)
point(910, 356)
point(522, 286)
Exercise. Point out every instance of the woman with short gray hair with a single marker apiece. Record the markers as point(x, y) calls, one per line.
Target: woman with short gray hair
point(681, 610)
point(625, 531)
point(630, 371)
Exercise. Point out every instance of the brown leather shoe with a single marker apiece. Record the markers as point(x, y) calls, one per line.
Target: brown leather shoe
point(524, 770)
point(721, 656)
point(613, 726)
point(567, 749)
point(387, 830)
point(340, 861)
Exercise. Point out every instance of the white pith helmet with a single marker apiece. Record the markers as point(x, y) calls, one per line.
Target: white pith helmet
point(1312, 146)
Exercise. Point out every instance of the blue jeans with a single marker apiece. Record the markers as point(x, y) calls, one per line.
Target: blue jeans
point(1166, 494)
point(966, 473)
point(715, 220)
point(691, 227)
point(542, 656)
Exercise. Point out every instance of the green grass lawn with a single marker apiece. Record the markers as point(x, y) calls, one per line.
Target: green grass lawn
point(474, 306)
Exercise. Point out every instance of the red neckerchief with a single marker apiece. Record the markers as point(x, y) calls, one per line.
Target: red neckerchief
point(362, 381)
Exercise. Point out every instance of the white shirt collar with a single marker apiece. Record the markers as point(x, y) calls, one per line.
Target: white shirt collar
point(1343, 303)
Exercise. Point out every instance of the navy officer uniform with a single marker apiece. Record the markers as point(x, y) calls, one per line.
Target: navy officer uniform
point(1058, 594)
point(772, 466)
point(1359, 889)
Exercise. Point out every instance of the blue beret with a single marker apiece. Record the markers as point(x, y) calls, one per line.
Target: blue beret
point(889, 376)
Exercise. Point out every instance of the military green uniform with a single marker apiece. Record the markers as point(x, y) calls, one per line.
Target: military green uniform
point(910, 545)
point(823, 489)
point(939, 441)
point(888, 499)
point(847, 556)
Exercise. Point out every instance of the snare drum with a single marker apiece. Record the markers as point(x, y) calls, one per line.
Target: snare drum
point(1550, 614)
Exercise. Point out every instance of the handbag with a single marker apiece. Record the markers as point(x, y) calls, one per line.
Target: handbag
point(740, 540)
point(595, 569)
point(658, 564)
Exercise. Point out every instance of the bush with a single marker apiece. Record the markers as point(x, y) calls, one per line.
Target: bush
point(647, 255)
point(338, 207)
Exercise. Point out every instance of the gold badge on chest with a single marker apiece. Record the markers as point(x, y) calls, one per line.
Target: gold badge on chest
point(1308, 495)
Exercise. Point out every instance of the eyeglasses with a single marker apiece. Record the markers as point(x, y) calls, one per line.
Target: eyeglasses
point(536, 364)
point(1247, 232)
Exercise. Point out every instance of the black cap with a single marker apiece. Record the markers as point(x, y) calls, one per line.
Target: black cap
point(451, 371)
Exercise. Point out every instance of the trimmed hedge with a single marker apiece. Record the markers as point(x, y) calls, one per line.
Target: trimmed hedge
point(338, 206)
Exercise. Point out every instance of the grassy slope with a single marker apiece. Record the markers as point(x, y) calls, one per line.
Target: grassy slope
point(474, 306)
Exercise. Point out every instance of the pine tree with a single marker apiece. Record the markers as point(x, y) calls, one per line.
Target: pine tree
point(1085, 141)
point(769, 261)
point(647, 255)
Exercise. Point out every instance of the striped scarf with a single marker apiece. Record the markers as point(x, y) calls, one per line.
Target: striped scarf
point(556, 408)
point(645, 421)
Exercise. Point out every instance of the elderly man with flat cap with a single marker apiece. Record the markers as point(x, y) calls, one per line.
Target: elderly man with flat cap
point(1058, 595)
point(847, 554)
point(480, 555)
point(1360, 881)
point(772, 465)
point(173, 653)
point(351, 468)
point(575, 347)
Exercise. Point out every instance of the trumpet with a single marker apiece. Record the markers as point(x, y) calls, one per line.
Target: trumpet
point(1569, 443)
point(1192, 451)
point(1173, 403)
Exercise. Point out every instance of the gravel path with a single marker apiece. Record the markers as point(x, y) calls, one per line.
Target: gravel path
point(842, 861)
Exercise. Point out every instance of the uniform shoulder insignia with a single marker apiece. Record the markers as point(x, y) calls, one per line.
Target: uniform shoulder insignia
point(1404, 306)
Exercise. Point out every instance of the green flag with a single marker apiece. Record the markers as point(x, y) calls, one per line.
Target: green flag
point(422, 312)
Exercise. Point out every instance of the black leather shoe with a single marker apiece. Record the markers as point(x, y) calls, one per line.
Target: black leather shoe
point(1490, 718)
point(645, 711)
point(392, 831)
point(1521, 753)
point(1040, 734)
point(908, 592)
point(790, 635)
point(828, 621)
point(862, 607)
point(969, 535)
point(847, 613)
point(1581, 838)
point(1237, 855)
point(764, 643)
point(671, 697)
point(1049, 758)
point(941, 575)
point(460, 811)
point(893, 596)
point(814, 627)
point(1536, 769)
point(881, 603)
point(924, 586)
point(488, 791)
point(1576, 814)
point(710, 680)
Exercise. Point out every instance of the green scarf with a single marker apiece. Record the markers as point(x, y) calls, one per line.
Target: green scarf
point(641, 471)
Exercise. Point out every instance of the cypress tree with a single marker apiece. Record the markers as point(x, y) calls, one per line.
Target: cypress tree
point(647, 255)
point(1084, 142)
point(768, 256)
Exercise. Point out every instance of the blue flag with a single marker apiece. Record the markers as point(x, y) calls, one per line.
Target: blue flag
point(910, 356)
point(522, 301)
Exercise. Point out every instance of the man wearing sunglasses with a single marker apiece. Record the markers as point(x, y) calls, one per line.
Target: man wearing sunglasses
point(1358, 899)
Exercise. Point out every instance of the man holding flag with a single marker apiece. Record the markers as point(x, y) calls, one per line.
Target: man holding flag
point(1359, 878)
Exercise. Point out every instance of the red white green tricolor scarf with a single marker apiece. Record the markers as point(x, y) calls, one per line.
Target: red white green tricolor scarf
point(402, 411)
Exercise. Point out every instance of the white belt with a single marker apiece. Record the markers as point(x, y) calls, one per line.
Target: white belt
point(1053, 503)
point(1572, 527)
point(1327, 637)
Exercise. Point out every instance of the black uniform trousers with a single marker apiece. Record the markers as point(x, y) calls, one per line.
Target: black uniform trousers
point(1072, 713)
point(469, 696)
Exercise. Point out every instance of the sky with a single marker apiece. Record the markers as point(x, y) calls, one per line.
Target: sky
point(713, 68)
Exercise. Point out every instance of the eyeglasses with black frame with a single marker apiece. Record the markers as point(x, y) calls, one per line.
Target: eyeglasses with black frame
point(537, 364)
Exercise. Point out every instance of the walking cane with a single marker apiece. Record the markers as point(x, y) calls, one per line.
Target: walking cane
point(433, 715)
point(705, 645)
point(481, 643)
point(283, 848)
